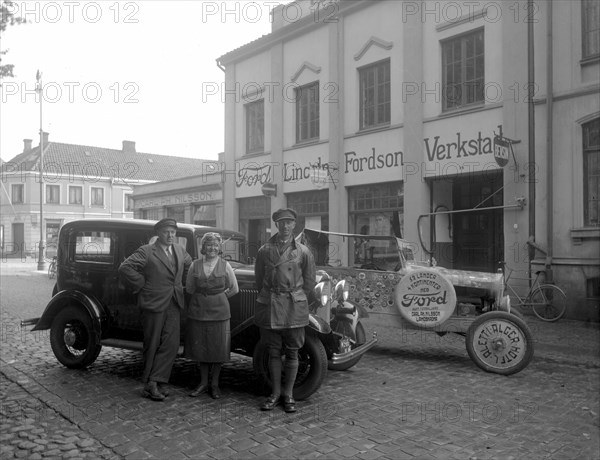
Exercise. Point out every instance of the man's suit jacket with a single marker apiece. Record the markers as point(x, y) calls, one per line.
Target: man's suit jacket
point(150, 274)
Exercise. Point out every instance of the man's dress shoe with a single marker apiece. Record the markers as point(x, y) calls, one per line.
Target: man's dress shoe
point(289, 404)
point(151, 391)
point(270, 403)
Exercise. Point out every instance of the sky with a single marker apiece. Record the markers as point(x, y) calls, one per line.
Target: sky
point(142, 71)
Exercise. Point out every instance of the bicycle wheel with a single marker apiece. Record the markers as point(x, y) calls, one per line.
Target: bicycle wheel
point(549, 302)
point(51, 270)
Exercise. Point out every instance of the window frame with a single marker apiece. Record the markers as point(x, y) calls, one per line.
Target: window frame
point(46, 194)
point(126, 198)
point(255, 122)
point(92, 204)
point(308, 112)
point(588, 151)
point(22, 193)
point(377, 101)
point(587, 19)
point(478, 99)
point(71, 187)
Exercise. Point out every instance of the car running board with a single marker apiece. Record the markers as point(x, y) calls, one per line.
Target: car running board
point(129, 345)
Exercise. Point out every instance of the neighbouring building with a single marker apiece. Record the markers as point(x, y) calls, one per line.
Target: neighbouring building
point(469, 128)
point(195, 200)
point(78, 182)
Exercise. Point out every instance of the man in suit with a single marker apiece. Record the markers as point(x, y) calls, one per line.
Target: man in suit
point(155, 271)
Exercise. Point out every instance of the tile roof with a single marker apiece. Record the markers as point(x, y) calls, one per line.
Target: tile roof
point(102, 162)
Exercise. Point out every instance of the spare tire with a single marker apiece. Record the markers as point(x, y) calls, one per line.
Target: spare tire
point(425, 297)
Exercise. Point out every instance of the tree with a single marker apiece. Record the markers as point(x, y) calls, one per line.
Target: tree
point(7, 18)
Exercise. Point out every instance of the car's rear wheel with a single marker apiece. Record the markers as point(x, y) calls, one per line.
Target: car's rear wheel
point(312, 368)
point(73, 339)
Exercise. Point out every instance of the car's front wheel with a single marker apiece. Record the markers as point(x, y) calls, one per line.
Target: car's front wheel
point(500, 342)
point(73, 339)
point(312, 367)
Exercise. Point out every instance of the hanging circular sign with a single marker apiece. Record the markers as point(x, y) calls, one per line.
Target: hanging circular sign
point(425, 298)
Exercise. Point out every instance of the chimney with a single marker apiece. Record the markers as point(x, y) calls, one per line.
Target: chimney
point(128, 146)
point(45, 134)
point(27, 145)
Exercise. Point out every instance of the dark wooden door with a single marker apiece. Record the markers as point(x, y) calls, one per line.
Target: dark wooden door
point(478, 235)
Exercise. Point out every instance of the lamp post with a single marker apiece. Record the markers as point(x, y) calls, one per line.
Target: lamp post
point(41, 262)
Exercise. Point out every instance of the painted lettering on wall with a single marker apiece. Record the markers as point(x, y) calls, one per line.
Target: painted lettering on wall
point(192, 197)
point(254, 175)
point(462, 148)
point(317, 172)
point(373, 161)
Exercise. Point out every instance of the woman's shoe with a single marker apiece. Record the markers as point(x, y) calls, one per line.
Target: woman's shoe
point(215, 392)
point(198, 391)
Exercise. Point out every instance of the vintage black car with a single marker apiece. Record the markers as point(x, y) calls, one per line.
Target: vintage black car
point(91, 307)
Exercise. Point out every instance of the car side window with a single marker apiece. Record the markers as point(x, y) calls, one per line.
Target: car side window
point(94, 247)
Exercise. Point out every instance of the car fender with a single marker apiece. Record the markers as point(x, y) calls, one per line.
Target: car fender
point(318, 324)
point(62, 298)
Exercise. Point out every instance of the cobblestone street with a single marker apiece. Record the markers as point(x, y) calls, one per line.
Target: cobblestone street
point(415, 395)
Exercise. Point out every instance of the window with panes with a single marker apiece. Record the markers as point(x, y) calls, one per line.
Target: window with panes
point(53, 194)
point(463, 73)
point(255, 126)
point(17, 195)
point(374, 83)
point(96, 196)
point(307, 112)
point(590, 28)
point(591, 172)
point(75, 194)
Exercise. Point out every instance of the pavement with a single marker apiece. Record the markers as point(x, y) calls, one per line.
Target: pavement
point(414, 395)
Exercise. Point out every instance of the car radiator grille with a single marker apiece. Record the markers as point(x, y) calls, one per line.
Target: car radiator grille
point(247, 299)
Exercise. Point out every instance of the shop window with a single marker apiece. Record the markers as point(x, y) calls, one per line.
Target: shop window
point(17, 195)
point(590, 29)
point(312, 208)
point(53, 194)
point(177, 213)
point(374, 82)
point(591, 172)
point(463, 70)
point(255, 126)
point(307, 112)
point(205, 214)
point(128, 205)
point(377, 210)
point(75, 194)
point(96, 196)
point(149, 214)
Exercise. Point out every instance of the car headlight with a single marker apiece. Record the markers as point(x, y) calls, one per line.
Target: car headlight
point(323, 292)
point(341, 291)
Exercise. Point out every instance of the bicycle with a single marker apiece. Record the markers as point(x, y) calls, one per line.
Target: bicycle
point(52, 269)
point(549, 302)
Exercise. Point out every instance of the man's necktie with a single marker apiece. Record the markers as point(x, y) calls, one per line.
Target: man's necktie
point(170, 256)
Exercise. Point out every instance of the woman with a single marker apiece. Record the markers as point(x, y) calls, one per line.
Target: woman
point(211, 282)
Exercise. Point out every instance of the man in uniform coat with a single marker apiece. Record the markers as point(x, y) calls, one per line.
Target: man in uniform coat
point(285, 275)
point(155, 271)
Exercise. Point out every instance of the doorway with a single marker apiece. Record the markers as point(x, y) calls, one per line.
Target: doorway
point(478, 235)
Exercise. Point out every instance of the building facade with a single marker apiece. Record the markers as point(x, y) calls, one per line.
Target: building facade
point(195, 200)
point(468, 128)
point(78, 182)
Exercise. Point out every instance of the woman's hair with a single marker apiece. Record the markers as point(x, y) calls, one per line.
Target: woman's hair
point(209, 237)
